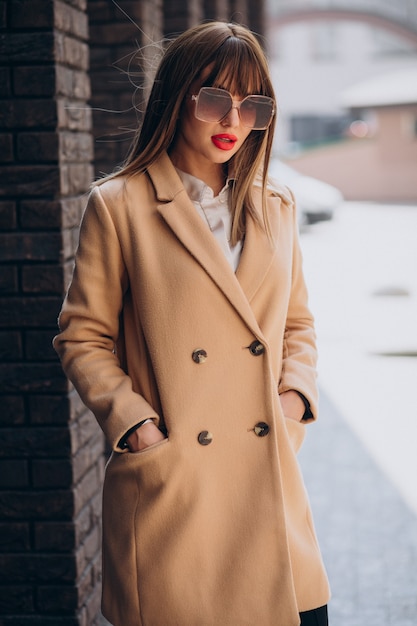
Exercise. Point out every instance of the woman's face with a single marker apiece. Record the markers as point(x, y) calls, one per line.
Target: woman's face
point(200, 145)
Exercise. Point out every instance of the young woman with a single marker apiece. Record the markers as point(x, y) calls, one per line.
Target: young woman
point(186, 331)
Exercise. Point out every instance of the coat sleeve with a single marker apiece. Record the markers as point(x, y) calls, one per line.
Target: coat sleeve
point(299, 347)
point(89, 326)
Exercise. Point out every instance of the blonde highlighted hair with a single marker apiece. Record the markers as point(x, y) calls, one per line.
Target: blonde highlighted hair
point(237, 63)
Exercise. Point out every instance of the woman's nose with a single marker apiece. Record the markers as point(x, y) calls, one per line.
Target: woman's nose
point(232, 118)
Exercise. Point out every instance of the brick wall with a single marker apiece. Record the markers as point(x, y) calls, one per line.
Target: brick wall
point(51, 453)
point(121, 50)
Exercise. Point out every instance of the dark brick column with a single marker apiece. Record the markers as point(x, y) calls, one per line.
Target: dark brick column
point(256, 18)
point(182, 14)
point(125, 45)
point(216, 10)
point(238, 11)
point(51, 456)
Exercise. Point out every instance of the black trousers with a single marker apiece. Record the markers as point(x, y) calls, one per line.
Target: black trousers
point(316, 617)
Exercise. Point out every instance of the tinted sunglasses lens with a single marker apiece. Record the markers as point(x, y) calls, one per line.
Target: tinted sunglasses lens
point(212, 104)
point(256, 112)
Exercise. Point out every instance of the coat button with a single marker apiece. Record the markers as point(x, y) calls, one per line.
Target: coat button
point(261, 429)
point(205, 438)
point(199, 355)
point(256, 348)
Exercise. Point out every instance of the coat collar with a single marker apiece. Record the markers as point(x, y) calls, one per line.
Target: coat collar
point(180, 215)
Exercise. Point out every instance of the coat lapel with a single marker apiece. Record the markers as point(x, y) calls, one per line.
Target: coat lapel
point(181, 216)
point(257, 255)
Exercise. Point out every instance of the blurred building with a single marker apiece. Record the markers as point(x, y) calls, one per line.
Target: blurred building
point(378, 159)
point(66, 111)
point(385, 161)
point(319, 48)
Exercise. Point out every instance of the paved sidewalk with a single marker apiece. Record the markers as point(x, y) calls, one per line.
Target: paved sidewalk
point(361, 270)
point(367, 533)
point(359, 460)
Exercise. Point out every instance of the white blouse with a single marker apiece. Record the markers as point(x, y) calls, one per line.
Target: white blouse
point(215, 212)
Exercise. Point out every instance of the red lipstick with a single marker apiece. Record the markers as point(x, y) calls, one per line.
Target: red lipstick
point(224, 141)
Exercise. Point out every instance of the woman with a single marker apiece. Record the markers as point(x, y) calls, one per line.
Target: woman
point(186, 331)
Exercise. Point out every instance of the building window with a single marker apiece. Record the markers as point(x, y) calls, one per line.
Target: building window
point(409, 125)
point(324, 41)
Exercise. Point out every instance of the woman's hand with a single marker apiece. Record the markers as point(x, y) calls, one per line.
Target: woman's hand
point(147, 435)
point(292, 405)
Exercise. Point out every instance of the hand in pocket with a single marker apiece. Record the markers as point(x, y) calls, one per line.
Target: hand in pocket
point(147, 435)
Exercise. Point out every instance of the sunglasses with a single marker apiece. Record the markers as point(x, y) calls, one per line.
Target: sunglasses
point(213, 104)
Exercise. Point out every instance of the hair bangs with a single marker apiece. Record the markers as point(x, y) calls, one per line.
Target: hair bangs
point(237, 69)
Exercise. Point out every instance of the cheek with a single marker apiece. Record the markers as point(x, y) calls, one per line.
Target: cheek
point(189, 125)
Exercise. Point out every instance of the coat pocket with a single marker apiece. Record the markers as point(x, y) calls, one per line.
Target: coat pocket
point(296, 433)
point(144, 469)
point(150, 448)
point(133, 487)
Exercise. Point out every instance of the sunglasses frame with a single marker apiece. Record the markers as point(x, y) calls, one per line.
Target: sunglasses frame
point(234, 105)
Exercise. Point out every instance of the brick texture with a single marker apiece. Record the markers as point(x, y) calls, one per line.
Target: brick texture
point(73, 74)
point(51, 459)
point(118, 71)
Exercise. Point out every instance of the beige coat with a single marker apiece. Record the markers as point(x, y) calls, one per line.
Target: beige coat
point(195, 535)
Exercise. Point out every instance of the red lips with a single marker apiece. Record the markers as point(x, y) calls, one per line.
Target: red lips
point(224, 141)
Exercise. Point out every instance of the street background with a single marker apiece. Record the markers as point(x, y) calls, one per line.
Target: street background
point(359, 460)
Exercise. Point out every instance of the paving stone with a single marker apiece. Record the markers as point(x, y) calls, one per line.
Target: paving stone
point(367, 533)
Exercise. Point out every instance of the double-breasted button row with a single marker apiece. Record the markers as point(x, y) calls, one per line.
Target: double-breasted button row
point(199, 355)
point(261, 429)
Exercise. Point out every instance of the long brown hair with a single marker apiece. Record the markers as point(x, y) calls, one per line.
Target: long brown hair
point(237, 63)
